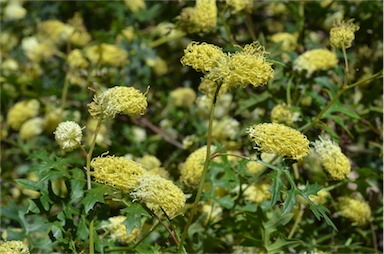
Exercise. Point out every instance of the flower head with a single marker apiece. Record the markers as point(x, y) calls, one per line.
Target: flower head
point(14, 247)
point(183, 96)
point(288, 41)
point(202, 57)
point(159, 193)
point(118, 100)
point(75, 59)
point(55, 31)
point(240, 5)
point(320, 198)
point(68, 135)
point(193, 167)
point(282, 113)
point(279, 139)
point(14, 11)
point(32, 128)
point(135, 5)
point(343, 34)
point(201, 18)
point(315, 60)
point(258, 192)
point(107, 54)
point(118, 230)
point(119, 172)
point(332, 159)
point(22, 111)
point(356, 210)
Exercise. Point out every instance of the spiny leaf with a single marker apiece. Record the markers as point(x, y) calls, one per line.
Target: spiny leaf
point(134, 214)
point(93, 196)
point(277, 185)
point(290, 200)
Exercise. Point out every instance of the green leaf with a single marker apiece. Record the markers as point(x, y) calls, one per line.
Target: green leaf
point(134, 214)
point(93, 196)
point(253, 101)
point(28, 184)
point(82, 231)
point(277, 185)
point(225, 201)
point(290, 200)
point(280, 243)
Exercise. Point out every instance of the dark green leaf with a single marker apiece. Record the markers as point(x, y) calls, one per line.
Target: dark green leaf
point(290, 200)
point(277, 185)
point(93, 196)
point(134, 214)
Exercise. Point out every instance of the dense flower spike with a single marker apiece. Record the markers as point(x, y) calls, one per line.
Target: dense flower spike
point(247, 66)
point(159, 193)
point(183, 97)
point(282, 113)
point(118, 172)
point(14, 247)
point(22, 111)
point(68, 135)
point(32, 128)
point(201, 18)
point(106, 54)
point(343, 34)
point(202, 57)
point(240, 5)
point(356, 210)
point(118, 100)
point(315, 60)
point(332, 159)
point(279, 139)
point(118, 230)
point(193, 167)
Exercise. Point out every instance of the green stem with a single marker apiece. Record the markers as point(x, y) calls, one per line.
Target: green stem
point(91, 243)
point(205, 169)
point(227, 28)
point(346, 67)
point(166, 39)
point(297, 222)
point(289, 91)
point(249, 24)
point(64, 94)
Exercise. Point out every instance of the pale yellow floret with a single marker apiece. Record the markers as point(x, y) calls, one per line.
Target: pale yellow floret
point(193, 167)
point(201, 18)
point(31, 128)
point(68, 135)
point(288, 41)
point(106, 54)
point(119, 172)
point(244, 67)
point(14, 10)
point(343, 34)
point(240, 5)
point(135, 5)
point(225, 128)
point(118, 230)
point(14, 247)
point(150, 162)
point(279, 139)
point(55, 31)
point(332, 159)
point(282, 113)
point(158, 65)
point(355, 210)
point(159, 193)
point(258, 192)
point(52, 119)
point(36, 50)
point(183, 97)
point(22, 111)
point(79, 36)
point(75, 59)
point(118, 100)
point(320, 198)
point(202, 57)
point(315, 60)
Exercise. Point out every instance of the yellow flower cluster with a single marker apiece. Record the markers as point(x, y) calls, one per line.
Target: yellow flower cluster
point(159, 193)
point(68, 135)
point(32, 128)
point(320, 198)
point(14, 10)
point(106, 54)
point(76, 60)
point(22, 111)
point(225, 128)
point(201, 18)
point(343, 34)
point(202, 57)
point(183, 97)
point(288, 41)
point(240, 5)
point(193, 167)
point(135, 5)
point(118, 100)
point(14, 247)
point(279, 139)
point(332, 159)
point(37, 50)
point(54, 31)
point(247, 66)
point(153, 165)
point(356, 210)
point(282, 113)
point(315, 60)
point(118, 230)
point(79, 36)
point(118, 172)
point(258, 192)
